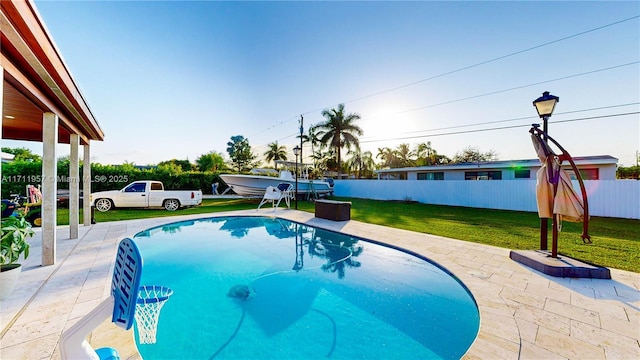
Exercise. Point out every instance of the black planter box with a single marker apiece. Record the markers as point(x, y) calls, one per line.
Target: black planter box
point(333, 210)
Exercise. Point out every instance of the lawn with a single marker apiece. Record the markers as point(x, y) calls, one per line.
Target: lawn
point(616, 242)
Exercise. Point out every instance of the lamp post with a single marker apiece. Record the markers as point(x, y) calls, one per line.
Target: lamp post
point(545, 106)
point(296, 152)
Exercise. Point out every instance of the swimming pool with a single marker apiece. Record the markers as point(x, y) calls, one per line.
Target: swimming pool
point(312, 294)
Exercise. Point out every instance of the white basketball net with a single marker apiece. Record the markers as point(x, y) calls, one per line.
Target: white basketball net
point(150, 302)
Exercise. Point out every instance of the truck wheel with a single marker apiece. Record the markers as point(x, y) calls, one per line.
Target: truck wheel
point(171, 204)
point(103, 205)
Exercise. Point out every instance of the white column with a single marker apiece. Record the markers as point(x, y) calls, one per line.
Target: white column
point(49, 187)
point(86, 186)
point(74, 186)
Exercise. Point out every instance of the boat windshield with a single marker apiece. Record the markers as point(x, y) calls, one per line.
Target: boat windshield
point(288, 169)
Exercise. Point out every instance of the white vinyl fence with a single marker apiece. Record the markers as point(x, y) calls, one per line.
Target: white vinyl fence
point(608, 198)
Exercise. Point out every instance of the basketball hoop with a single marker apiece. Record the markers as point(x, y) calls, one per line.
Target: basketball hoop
point(151, 298)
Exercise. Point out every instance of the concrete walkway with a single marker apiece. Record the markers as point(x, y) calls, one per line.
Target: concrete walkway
point(524, 314)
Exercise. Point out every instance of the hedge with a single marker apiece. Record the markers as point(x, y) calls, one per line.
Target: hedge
point(18, 174)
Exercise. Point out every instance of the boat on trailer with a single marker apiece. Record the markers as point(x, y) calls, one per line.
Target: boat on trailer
point(255, 185)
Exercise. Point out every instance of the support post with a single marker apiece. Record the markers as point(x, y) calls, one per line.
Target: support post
point(554, 237)
point(296, 177)
point(544, 225)
point(74, 186)
point(49, 187)
point(86, 185)
point(301, 131)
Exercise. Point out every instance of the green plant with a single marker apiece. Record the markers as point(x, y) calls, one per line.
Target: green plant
point(15, 231)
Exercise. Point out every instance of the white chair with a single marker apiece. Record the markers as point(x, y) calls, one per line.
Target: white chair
point(277, 194)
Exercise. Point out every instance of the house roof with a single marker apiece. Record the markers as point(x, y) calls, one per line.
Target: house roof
point(505, 164)
point(36, 80)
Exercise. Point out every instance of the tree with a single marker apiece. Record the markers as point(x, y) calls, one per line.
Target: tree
point(473, 154)
point(211, 161)
point(313, 138)
point(427, 155)
point(404, 154)
point(368, 164)
point(387, 156)
point(275, 153)
point(22, 154)
point(323, 161)
point(362, 163)
point(170, 167)
point(183, 165)
point(631, 172)
point(239, 151)
point(441, 159)
point(128, 166)
point(339, 131)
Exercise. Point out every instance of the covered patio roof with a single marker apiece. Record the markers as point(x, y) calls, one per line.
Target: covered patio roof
point(41, 102)
point(36, 80)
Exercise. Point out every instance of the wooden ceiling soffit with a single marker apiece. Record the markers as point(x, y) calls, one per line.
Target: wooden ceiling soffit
point(52, 75)
point(24, 120)
point(31, 93)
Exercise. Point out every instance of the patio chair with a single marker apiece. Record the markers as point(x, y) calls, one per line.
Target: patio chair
point(120, 306)
point(284, 191)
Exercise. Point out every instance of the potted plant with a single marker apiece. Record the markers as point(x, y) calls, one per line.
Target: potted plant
point(15, 230)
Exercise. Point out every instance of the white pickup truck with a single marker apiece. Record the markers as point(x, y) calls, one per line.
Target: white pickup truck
point(145, 193)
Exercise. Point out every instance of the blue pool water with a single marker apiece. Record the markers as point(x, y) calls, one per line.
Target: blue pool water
point(314, 294)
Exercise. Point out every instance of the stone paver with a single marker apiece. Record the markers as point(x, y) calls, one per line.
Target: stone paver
point(524, 314)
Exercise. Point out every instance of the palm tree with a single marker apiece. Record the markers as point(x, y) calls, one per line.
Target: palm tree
point(361, 162)
point(354, 163)
point(367, 163)
point(339, 130)
point(387, 155)
point(426, 155)
point(312, 137)
point(275, 153)
point(404, 154)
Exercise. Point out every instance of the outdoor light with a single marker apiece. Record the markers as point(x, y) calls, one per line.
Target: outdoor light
point(545, 104)
point(296, 152)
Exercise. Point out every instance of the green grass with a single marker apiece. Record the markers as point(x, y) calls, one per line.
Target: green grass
point(616, 242)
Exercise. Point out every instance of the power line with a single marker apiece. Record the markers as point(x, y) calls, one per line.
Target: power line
point(502, 127)
point(495, 122)
point(517, 87)
point(492, 60)
point(516, 119)
point(463, 68)
point(506, 90)
point(484, 62)
point(497, 128)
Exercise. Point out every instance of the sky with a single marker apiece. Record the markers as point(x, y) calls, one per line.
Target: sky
point(178, 79)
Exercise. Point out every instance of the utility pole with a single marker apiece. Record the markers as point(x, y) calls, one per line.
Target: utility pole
point(301, 131)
